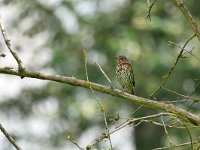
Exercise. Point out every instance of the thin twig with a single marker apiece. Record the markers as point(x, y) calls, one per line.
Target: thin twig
point(7, 42)
point(167, 125)
point(166, 132)
point(189, 135)
point(114, 119)
point(175, 146)
point(189, 17)
point(191, 95)
point(128, 122)
point(189, 52)
point(187, 97)
point(140, 119)
point(73, 141)
point(192, 92)
point(149, 10)
point(10, 139)
point(150, 121)
point(110, 82)
point(166, 77)
point(99, 103)
point(135, 111)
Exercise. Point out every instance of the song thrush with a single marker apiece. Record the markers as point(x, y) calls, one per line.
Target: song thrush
point(124, 74)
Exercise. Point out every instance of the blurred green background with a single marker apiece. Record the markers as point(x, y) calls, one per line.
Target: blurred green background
point(49, 36)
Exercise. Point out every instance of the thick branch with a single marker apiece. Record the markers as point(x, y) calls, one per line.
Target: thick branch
point(189, 17)
point(180, 113)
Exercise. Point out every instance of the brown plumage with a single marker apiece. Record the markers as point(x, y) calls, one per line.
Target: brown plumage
point(124, 74)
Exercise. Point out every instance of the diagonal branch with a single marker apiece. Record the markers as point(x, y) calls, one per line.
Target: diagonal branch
point(105, 75)
point(180, 113)
point(189, 52)
point(186, 97)
point(123, 125)
point(166, 77)
point(7, 42)
point(12, 141)
point(149, 10)
point(189, 17)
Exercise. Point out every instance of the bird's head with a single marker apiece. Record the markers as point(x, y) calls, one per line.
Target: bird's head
point(121, 59)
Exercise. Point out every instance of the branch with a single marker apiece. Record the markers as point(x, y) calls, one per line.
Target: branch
point(149, 10)
point(189, 52)
point(166, 132)
point(189, 135)
point(10, 139)
point(107, 78)
point(166, 77)
point(189, 17)
point(175, 146)
point(132, 120)
point(69, 137)
point(99, 103)
point(186, 97)
point(123, 125)
point(180, 113)
point(7, 42)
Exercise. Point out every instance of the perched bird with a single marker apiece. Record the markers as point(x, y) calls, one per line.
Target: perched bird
point(124, 74)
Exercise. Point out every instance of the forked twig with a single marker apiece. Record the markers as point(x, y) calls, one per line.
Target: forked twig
point(166, 132)
point(126, 123)
point(99, 103)
point(149, 10)
point(14, 54)
point(189, 52)
point(166, 77)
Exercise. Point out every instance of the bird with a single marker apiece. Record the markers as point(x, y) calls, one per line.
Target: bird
point(124, 74)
